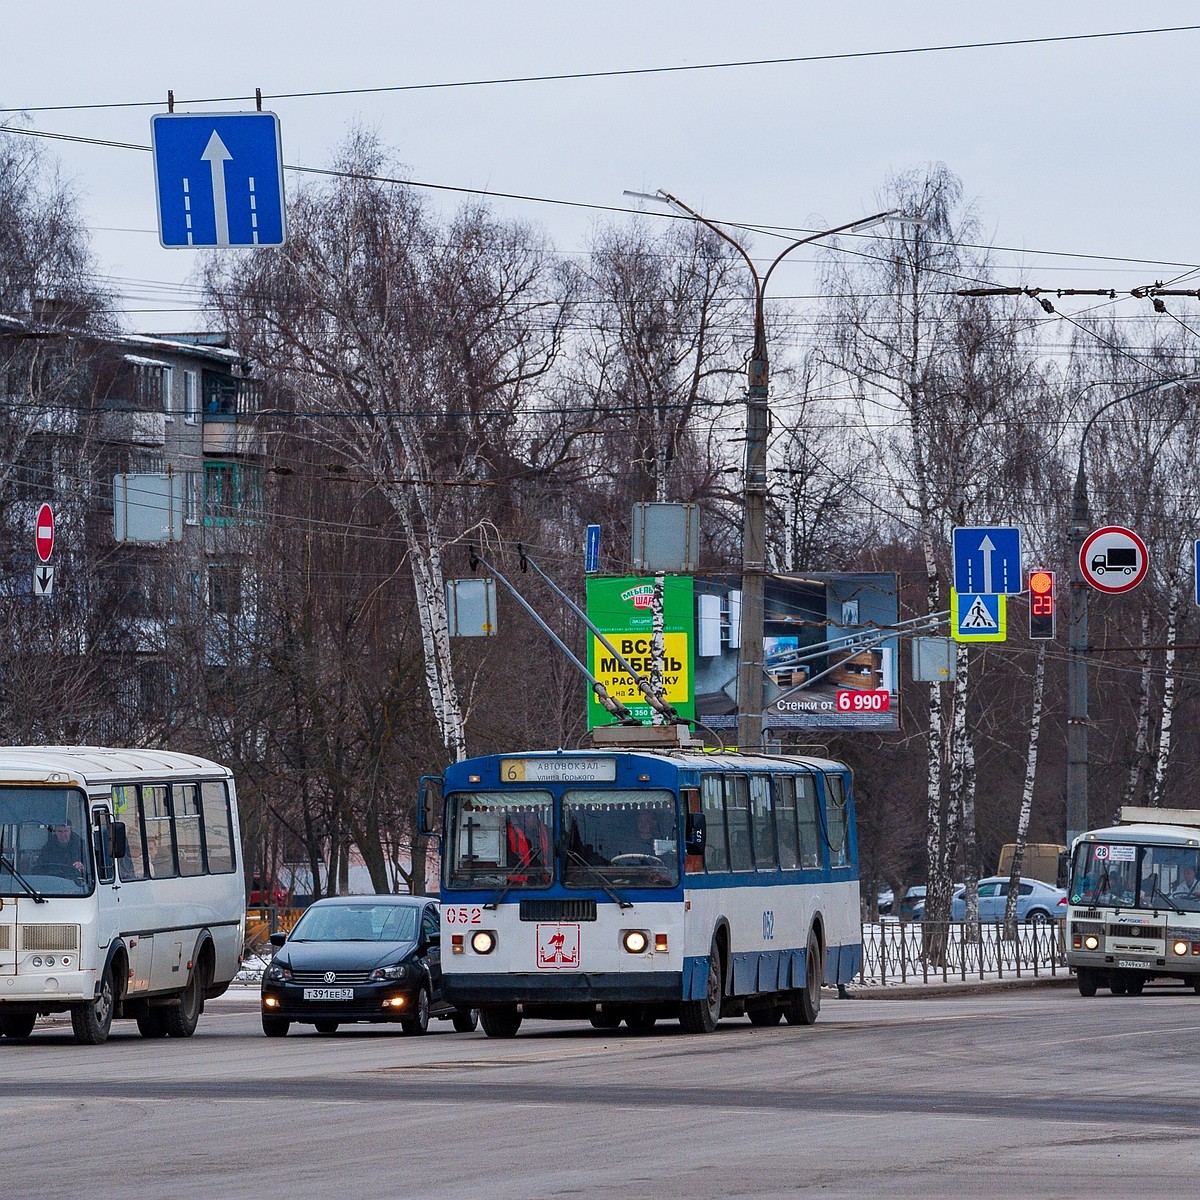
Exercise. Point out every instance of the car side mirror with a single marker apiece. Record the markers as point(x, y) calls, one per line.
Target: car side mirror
point(277, 939)
point(695, 833)
point(432, 939)
point(120, 843)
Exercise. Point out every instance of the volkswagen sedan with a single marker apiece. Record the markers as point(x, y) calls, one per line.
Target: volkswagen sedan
point(359, 958)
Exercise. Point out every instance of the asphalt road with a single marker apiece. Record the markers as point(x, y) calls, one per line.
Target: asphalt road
point(1033, 1094)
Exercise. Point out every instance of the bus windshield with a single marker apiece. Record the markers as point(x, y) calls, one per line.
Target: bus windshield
point(500, 839)
point(1134, 875)
point(627, 837)
point(44, 841)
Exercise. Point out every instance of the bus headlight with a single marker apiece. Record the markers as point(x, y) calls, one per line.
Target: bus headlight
point(635, 941)
point(1181, 947)
point(1091, 942)
point(483, 941)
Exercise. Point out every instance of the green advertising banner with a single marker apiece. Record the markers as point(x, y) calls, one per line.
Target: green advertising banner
point(622, 609)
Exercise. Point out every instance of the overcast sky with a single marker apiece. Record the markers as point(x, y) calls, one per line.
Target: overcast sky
point(1084, 147)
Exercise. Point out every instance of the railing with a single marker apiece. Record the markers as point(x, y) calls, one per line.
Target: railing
point(909, 952)
point(263, 921)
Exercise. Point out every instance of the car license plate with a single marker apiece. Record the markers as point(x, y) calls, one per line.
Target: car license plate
point(329, 993)
point(1131, 962)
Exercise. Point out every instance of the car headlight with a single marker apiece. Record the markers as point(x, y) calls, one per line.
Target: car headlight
point(279, 972)
point(395, 971)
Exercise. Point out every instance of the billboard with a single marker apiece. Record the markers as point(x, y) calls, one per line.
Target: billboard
point(829, 660)
point(622, 609)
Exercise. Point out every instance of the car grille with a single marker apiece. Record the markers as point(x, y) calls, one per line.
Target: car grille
point(559, 908)
point(341, 978)
point(1151, 932)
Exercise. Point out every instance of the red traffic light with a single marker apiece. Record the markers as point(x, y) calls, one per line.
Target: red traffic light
point(1042, 605)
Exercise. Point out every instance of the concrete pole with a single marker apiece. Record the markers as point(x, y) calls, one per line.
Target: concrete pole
point(1077, 681)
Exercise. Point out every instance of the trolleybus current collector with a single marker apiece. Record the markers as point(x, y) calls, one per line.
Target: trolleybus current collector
point(636, 885)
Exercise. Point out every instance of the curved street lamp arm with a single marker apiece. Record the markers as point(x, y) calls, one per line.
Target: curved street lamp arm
point(816, 237)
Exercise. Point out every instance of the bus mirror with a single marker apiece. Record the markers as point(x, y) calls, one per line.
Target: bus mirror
point(428, 794)
point(120, 845)
point(694, 833)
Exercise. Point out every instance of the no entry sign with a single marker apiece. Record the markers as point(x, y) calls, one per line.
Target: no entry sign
point(43, 533)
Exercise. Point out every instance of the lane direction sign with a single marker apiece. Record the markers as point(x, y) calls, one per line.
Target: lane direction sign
point(978, 616)
point(591, 550)
point(43, 580)
point(43, 533)
point(218, 179)
point(1113, 559)
point(987, 560)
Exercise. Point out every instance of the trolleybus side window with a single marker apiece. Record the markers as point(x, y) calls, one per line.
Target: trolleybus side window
point(160, 848)
point(737, 813)
point(128, 808)
point(185, 803)
point(810, 829)
point(785, 822)
point(835, 819)
point(762, 823)
point(218, 830)
point(712, 801)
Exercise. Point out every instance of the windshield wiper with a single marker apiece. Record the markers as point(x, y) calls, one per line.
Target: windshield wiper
point(613, 894)
point(512, 881)
point(1156, 890)
point(38, 898)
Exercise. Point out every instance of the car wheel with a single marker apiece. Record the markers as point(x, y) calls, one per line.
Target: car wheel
point(1088, 983)
point(701, 1016)
point(182, 1018)
point(465, 1020)
point(1039, 918)
point(92, 1020)
point(806, 1002)
point(502, 1022)
point(418, 1023)
point(17, 1025)
point(152, 1023)
point(326, 1026)
point(275, 1026)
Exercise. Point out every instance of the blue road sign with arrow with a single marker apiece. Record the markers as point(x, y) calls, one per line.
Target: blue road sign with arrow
point(218, 178)
point(987, 561)
point(591, 550)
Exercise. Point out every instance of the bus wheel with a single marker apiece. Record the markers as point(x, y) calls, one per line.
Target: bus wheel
point(1196, 986)
point(92, 1020)
point(182, 1018)
point(1117, 984)
point(806, 1001)
point(1134, 984)
point(500, 1022)
point(1087, 981)
point(153, 1023)
point(701, 1016)
point(17, 1025)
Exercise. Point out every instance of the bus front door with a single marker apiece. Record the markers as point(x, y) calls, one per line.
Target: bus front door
point(8, 936)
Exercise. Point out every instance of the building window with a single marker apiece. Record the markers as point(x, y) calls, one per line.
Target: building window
point(232, 493)
point(225, 588)
point(191, 397)
point(191, 497)
point(167, 376)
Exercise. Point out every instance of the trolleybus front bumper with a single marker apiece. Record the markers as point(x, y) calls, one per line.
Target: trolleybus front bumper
point(585, 989)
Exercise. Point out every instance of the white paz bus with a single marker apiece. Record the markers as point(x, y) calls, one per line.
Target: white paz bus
point(620, 885)
point(121, 894)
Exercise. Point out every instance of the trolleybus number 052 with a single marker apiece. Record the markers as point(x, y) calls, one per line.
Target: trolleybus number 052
point(463, 914)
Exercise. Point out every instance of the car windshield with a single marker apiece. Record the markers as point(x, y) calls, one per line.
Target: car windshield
point(44, 841)
point(500, 839)
point(627, 838)
point(1129, 875)
point(365, 922)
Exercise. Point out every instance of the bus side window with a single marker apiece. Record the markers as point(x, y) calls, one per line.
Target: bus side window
point(762, 823)
point(785, 822)
point(737, 812)
point(160, 848)
point(806, 814)
point(127, 808)
point(218, 833)
point(185, 804)
point(712, 800)
point(835, 821)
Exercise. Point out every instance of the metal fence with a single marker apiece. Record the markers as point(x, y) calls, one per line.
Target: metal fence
point(906, 951)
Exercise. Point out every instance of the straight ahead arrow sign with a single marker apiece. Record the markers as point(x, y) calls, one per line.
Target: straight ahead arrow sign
point(216, 155)
point(987, 548)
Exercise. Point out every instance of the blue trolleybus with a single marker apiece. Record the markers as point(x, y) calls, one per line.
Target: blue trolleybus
point(622, 885)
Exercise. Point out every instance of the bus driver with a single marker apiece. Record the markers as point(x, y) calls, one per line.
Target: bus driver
point(63, 852)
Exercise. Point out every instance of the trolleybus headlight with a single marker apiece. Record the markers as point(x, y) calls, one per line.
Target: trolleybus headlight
point(483, 941)
point(1181, 947)
point(635, 941)
point(1091, 942)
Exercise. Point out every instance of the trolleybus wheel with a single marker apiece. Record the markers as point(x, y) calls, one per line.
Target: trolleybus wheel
point(1087, 981)
point(502, 1022)
point(806, 1001)
point(603, 1020)
point(92, 1020)
point(701, 1016)
point(17, 1025)
point(641, 1020)
point(152, 1023)
point(764, 1018)
point(465, 1020)
point(418, 1023)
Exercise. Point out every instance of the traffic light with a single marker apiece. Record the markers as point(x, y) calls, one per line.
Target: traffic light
point(1042, 605)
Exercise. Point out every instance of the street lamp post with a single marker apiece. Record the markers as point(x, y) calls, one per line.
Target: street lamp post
point(1077, 644)
point(754, 482)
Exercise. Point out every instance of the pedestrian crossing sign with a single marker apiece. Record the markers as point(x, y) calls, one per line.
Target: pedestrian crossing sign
point(978, 617)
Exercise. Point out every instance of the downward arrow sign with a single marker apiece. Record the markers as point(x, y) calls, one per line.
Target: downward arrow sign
point(216, 155)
